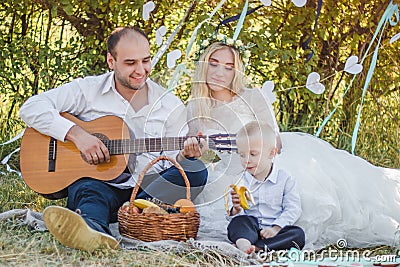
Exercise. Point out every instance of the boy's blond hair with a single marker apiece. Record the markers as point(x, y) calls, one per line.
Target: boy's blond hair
point(255, 128)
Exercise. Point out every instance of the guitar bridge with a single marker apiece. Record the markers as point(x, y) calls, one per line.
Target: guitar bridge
point(52, 154)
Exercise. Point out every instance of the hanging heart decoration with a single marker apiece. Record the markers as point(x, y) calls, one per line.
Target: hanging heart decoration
point(313, 83)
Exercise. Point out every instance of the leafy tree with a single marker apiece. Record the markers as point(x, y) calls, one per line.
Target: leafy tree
point(46, 43)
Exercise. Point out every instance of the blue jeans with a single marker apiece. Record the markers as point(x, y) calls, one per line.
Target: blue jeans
point(99, 202)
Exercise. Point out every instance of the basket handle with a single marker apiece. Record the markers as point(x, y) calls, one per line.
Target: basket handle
point(148, 166)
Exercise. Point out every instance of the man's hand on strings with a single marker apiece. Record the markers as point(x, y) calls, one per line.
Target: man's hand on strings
point(92, 148)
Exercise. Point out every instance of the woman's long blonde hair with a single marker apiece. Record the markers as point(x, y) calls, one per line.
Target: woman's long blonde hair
point(201, 95)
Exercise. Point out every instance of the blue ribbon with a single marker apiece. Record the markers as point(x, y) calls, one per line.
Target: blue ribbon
point(176, 76)
point(236, 17)
point(389, 12)
point(241, 21)
point(386, 17)
point(194, 34)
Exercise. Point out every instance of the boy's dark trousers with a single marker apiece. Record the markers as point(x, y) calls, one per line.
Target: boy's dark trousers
point(247, 227)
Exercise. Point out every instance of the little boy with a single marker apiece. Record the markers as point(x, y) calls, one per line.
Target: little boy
point(267, 225)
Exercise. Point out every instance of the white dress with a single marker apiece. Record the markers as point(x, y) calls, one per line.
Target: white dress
point(343, 196)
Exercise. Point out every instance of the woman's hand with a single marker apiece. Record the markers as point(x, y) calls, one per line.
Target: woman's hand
point(192, 148)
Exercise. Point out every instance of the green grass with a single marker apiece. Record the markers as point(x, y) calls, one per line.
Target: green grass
point(22, 246)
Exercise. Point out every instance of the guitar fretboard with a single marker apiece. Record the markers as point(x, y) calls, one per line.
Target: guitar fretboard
point(126, 146)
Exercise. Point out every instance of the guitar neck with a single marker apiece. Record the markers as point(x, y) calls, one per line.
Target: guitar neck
point(126, 146)
point(49, 166)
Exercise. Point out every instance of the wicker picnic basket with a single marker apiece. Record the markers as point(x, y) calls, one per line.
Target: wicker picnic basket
point(151, 226)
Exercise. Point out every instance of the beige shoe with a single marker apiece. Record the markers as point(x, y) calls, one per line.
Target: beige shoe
point(71, 230)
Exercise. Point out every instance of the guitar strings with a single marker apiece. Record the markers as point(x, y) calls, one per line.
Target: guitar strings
point(141, 145)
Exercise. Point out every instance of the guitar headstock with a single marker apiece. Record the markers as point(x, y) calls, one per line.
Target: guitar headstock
point(222, 142)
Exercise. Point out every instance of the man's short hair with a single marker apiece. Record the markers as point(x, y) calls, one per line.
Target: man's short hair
point(116, 35)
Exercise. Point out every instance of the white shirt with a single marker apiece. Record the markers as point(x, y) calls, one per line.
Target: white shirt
point(92, 97)
point(277, 201)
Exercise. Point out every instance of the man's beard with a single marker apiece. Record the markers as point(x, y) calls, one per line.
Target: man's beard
point(126, 83)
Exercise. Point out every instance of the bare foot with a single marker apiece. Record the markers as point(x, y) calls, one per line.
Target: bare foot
point(245, 246)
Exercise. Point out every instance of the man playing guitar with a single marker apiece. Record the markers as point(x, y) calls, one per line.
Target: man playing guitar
point(148, 111)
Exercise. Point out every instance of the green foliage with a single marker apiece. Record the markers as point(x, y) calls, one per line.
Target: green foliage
point(45, 44)
point(15, 194)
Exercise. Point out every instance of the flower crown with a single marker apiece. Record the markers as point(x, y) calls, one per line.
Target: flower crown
point(238, 44)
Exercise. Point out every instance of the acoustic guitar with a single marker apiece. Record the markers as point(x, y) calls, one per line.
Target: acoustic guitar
point(49, 166)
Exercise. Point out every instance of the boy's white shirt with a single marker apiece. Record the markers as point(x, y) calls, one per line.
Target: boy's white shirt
point(277, 201)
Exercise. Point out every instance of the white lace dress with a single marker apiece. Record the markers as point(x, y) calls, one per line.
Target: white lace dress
point(343, 196)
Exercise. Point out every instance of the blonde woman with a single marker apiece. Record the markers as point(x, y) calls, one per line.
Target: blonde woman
point(342, 195)
point(218, 84)
point(220, 103)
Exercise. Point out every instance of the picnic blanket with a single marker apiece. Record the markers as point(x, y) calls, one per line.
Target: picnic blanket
point(204, 243)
